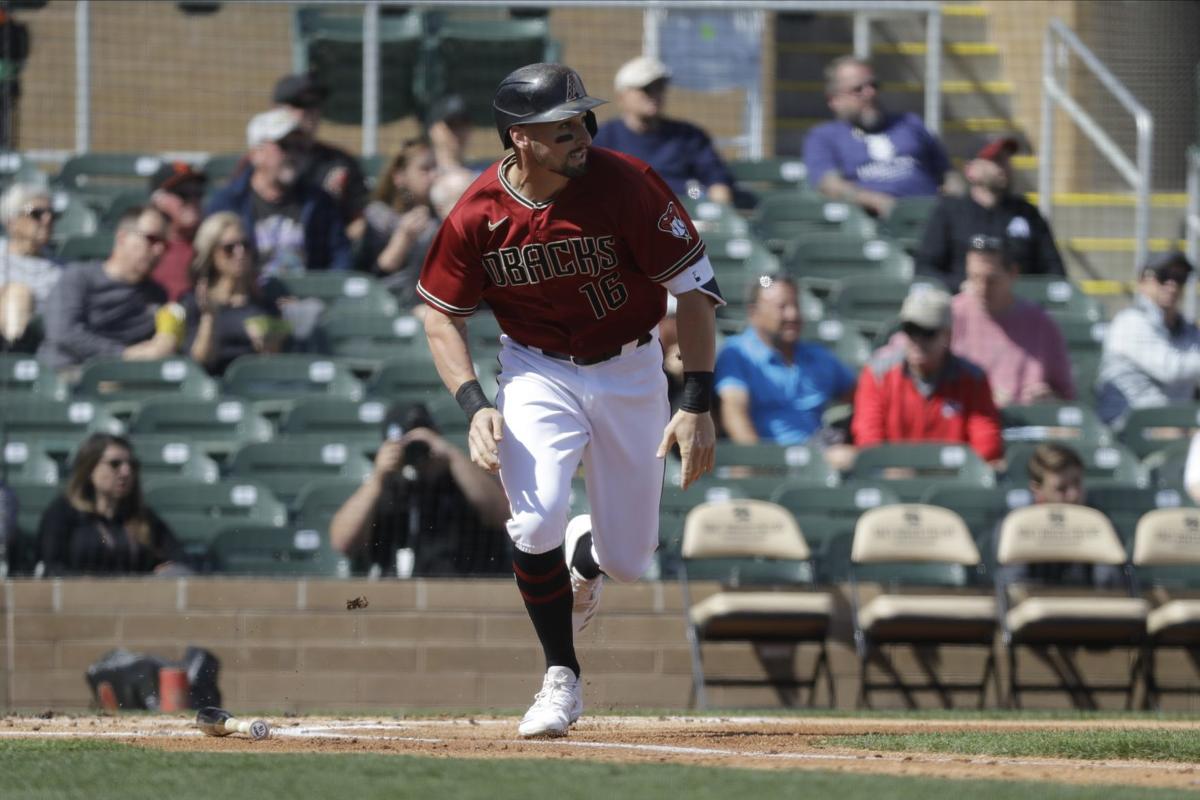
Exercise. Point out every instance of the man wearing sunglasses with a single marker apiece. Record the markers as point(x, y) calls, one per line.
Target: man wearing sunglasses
point(177, 190)
point(921, 392)
point(107, 309)
point(867, 155)
point(1151, 354)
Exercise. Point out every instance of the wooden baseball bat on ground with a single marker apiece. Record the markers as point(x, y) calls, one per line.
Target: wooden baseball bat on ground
point(219, 722)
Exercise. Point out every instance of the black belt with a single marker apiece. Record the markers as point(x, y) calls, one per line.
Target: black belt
point(645, 338)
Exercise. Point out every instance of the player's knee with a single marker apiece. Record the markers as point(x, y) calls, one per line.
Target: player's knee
point(534, 533)
point(628, 567)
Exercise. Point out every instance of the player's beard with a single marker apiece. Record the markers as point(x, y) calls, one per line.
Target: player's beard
point(568, 169)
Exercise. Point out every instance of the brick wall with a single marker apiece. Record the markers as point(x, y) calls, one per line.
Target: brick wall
point(293, 646)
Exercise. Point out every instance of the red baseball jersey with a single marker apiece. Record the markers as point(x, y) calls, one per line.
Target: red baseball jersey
point(579, 274)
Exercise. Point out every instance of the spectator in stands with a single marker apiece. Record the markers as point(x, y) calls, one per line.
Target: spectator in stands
point(296, 225)
point(231, 313)
point(867, 155)
point(680, 152)
point(448, 128)
point(108, 309)
point(1014, 340)
point(1151, 354)
point(774, 387)
point(427, 499)
point(101, 524)
point(177, 190)
point(28, 273)
point(447, 189)
point(320, 163)
point(922, 392)
point(400, 220)
point(989, 208)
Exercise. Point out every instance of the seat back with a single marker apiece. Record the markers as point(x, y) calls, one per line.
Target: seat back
point(222, 502)
point(289, 376)
point(342, 291)
point(1059, 296)
point(333, 417)
point(215, 426)
point(320, 500)
point(251, 549)
point(1104, 462)
point(363, 337)
point(1147, 430)
point(286, 467)
point(823, 261)
point(1168, 537)
point(872, 301)
point(843, 338)
point(741, 542)
point(1056, 533)
point(781, 218)
point(913, 532)
point(770, 173)
point(797, 462)
point(25, 461)
point(172, 457)
point(85, 247)
point(412, 377)
point(24, 375)
point(115, 379)
point(910, 469)
point(1065, 422)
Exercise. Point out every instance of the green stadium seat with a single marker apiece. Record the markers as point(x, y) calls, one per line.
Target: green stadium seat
point(352, 292)
point(1066, 422)
point(274, 551)
point(24, 375)
point(286, 467)
point(119, 204)
point(32, 500)
point(358, 424)
point(220, 167)
point(320, 500)
point(715, 219)
point(85, 247)
point(330, 44)
point(843, 339)
point(1101, 462)
point(26, 462)
point(122, 386)
point(770, 173)
point(910, 469)
point(1166, 466)
point(796, 462)
point(825, 512)
point(16, 168)
point(735, 288)
point(783, 217)
point(75, 218)
point(906, 223)
point(872, 302)
point(274, 382)
point(1059, 296)
point(1124, 505)
point(407, 379)
point(98, 178)
point(365, 340)
point(1147, 430)
point(822, 261)
point(196, 511)
point(170, 457)
point(739, 253)
point(216, 427)
point(57, 426)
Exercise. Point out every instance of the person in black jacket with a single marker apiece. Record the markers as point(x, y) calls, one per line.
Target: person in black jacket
point(989, 208)
point(100, 524)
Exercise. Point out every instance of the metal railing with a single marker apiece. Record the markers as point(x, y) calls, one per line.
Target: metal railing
point(1059, 43)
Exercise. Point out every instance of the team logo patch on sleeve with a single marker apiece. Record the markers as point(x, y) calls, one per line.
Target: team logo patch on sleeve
point(670, 222)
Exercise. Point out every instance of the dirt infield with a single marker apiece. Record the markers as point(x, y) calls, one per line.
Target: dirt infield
point(760, 743)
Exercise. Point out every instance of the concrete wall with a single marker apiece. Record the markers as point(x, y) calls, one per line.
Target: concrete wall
point(425, 644)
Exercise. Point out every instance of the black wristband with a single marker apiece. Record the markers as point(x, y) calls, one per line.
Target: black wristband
point(697, 392)
point(470, 398)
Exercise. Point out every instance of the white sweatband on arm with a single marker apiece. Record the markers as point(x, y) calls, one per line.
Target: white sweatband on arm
point(697, 276)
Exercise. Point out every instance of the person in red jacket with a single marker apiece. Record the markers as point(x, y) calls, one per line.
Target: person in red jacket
point(921, 392)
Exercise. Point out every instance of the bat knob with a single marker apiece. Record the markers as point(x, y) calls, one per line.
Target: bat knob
point(259, 730)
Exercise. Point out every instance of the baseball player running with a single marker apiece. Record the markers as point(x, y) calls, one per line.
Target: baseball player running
point(574, 249)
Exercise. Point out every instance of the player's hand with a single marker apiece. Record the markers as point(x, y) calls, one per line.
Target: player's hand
point(487, 429)
point(697, 439)
point(389, 456)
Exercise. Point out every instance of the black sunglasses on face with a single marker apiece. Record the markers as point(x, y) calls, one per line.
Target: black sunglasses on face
point(914, 331)
point(862, 87)
point(1166, 276)
point(229, 248)
point(116, 463)
point(40, 213)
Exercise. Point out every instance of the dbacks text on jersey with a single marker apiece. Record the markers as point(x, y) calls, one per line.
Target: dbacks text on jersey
point(535, 263)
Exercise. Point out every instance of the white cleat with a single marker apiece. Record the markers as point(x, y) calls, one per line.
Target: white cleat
point(586, 591)
point(556, 707)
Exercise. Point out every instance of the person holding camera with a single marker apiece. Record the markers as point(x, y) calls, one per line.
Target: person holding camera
point(426, 509)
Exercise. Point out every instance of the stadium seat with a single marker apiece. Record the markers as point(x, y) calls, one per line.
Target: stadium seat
point(1104, 462)
point(731, 254)
point(407, 379)
point(119, 203)
point(32, 500)
point(216, 427)
point(911, 469)
point(16, 168)
point(85, 247)
point(1149, 429)
point(163, 458)
point(906, 223)
point(715, 219)
point(827, 512)
point(99, 177)
point(872, 302)
point(274, 551)
point(274, 382)
point(353, 292)
point(320, 500)
point(24, 461)
point(783, 217)
point(24, 375)
point(365, 340)
point(220, 167)
point(757, 552)
point(822, 260)
point(842, 338)
point(1166, 557)
point(1125, 505)
point(1166, 467)
point(1066, 422)
point(286, 467)
point(766, 459)
point(57, 426)
point(75, 218)
point(770, 173)
point(1039, 615)
point(196, 511)
point(1059, 296)
point(123, 385)
point(930, 569)
point(735, 288)
point(357, 424)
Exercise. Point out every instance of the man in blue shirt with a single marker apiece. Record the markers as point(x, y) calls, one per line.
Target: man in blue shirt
point(867, 155)
point(678, 151)
point(772, 386)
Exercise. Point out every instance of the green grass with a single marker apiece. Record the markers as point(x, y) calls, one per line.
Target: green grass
point(1149, 745)
point(69, 769)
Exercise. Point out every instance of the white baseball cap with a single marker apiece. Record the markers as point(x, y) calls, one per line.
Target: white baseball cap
point(640, 73)
point(271, 126)
point(927, 308)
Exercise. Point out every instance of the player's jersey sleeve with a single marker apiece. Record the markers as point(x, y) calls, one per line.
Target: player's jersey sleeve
point(659, 231)
point(452, 277)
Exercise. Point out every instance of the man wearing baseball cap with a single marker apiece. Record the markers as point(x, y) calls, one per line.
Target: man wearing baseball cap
point(1151, 354)
point(294, 224)
point(177, 190)
point(989, 208)
point(921, 392)
point(680, 152)
point(321, 163)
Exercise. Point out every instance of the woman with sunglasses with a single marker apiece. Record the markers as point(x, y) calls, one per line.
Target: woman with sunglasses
point(27, 270)
point(101, 524)
point(230, 312)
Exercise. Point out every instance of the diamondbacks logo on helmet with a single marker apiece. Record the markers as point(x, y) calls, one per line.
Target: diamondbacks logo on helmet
point(575, 88)
point(670, 222)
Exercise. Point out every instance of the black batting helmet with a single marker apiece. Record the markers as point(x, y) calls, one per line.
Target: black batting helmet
point(541, 93)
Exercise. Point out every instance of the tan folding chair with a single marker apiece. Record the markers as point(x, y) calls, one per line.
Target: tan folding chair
point(1040, 612)
point(756, 551)
point(925, 562)
point(1166, 555)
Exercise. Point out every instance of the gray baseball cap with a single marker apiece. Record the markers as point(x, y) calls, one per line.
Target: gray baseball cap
point(927, 308)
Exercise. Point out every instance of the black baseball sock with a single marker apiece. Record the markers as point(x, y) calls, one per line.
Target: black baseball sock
point(545, 586)
point(583, 562)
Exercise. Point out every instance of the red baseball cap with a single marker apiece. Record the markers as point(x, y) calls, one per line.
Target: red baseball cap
point(998, 148)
